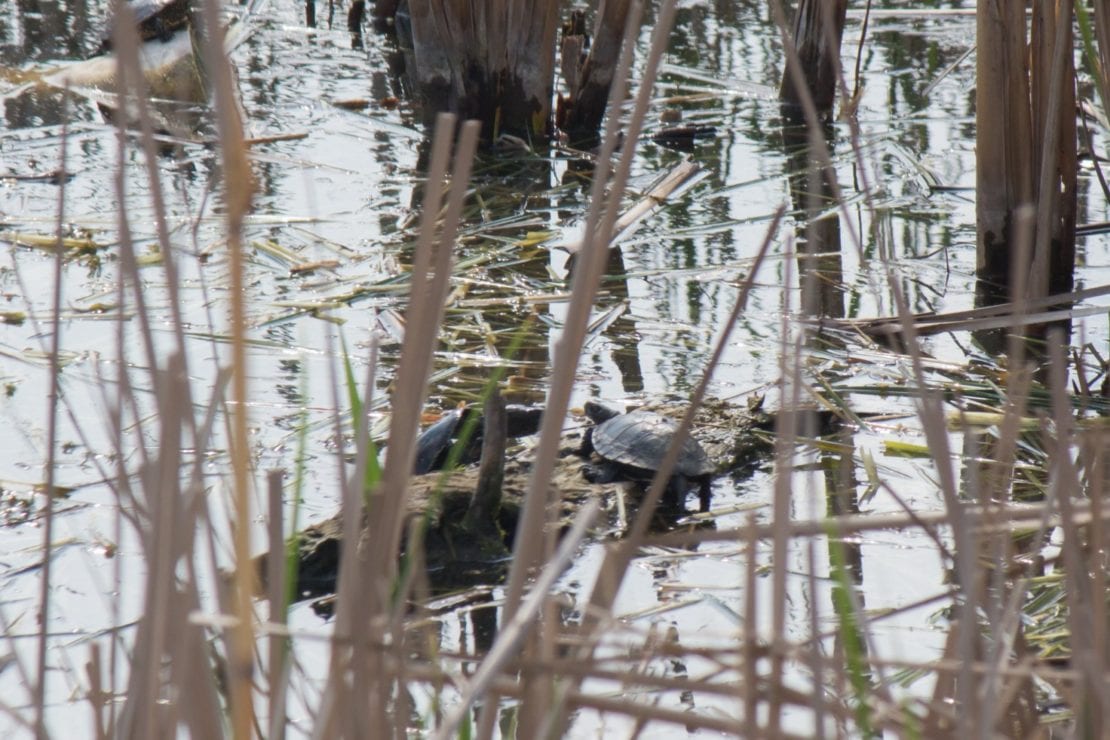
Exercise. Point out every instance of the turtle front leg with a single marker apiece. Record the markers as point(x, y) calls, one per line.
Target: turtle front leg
point(705, 494)
point(674, 495)
point(602, 472)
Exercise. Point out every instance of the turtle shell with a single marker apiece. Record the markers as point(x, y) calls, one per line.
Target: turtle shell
point(640, 439)
point(155, 19)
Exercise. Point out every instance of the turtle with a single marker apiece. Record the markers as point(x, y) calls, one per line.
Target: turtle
point(632, 445)
point(434, 443)
point(154, 19)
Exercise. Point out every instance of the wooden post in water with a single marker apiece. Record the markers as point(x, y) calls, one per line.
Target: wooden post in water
point(818, 30)
point(588, 76)
point(1052, 78)
point(489, 60)
point(1025, 150)
point(1004, 153)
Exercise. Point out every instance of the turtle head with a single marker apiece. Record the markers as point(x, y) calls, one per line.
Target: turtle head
point(600, 411)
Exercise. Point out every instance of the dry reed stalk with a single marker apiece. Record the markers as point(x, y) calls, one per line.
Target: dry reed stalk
point(363, 596)
point(238, 182)
point(1011, 315)
point(1091, 702)
point(1094, 453)
point(605, 197)
point(137, 717)
point(984, 520)
point(681, 176)
point(786, 436)
point(348, 660)
point(277, 662)
point(39, 693)
point(340, 714)
point(357, 582)
point(815, 659)
point(812, 75)
point(97, 696)
point(749, 637)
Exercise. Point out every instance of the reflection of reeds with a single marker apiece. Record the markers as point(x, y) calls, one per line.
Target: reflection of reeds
point(187, 671)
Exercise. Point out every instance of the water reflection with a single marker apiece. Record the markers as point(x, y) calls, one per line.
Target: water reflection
point(821, 275)
point(175, 88)
point(622, 331)
point(45, 107)
point(45, 30)
point(499, 330)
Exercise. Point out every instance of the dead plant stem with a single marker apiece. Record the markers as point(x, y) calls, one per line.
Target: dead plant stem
point(53, 403)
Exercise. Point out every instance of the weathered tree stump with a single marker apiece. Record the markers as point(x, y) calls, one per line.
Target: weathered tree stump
point(488, 60)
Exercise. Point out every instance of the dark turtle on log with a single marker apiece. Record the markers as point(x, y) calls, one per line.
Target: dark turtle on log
point(433, 446)
point(154, 19)
point(472, 511)
point(631, 446)
point(468, 525)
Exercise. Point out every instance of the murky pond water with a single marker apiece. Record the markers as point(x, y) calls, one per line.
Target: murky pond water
point(343, 199)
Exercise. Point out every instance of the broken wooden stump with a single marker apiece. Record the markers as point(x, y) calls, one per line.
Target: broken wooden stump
point(487, 60)
point(589, 75)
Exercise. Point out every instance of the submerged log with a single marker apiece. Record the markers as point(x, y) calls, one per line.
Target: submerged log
point(489, 60)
